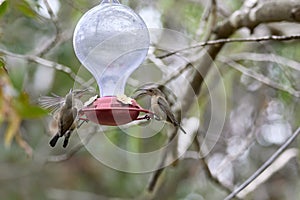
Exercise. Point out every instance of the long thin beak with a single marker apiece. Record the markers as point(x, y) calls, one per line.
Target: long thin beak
point(139, 93)
point(78, 93)
point(140, 89)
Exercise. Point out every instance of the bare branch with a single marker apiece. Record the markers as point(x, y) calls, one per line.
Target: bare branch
point(278, 164)
point(259, 13)
point(282, 62)
point(50, 11)
point(48, 46)
point(157, 174)
point(264, 166)
point(176, 74)
point(209, 13)
point(259, 77)
point(46, 63)
point(266, 58)
point(264, 14)
point(234, 40)
point(23, 144)
point(213, 20)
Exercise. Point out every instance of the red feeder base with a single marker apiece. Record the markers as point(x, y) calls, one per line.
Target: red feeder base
point(109, 111)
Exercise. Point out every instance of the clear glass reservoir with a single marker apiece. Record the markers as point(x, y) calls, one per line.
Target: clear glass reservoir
point(111, 41)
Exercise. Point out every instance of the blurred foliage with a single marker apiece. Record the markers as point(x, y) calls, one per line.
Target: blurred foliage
point(251, 106)
point(14, 108)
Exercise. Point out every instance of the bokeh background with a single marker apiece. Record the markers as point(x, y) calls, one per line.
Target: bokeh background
point(262, 106)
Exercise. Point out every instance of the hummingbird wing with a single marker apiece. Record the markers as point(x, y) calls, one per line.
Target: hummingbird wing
point(51, 103)
point(164, 105)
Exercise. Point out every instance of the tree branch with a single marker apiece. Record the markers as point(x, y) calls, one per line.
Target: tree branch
point(209, 14)
point(48, 46)
point(264, 166)
point(277, 165)
point(234, 40)
point(265, 13)
point(260, 77)
point(266, 58)
point(46, 63)
point(156, 175)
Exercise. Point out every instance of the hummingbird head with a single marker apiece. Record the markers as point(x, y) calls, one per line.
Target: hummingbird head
point(69, 99)
point(154, 92)
point(149, 91)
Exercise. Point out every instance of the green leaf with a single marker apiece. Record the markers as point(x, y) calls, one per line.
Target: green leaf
point(2, 65)
point(3, 7)
point(26, 110)
point(17, 76)
point(285, 97)
point(26, 9)
point(11, 131)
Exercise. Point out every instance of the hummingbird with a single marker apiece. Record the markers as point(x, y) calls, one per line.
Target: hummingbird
point(160, 106)
point(65, 111)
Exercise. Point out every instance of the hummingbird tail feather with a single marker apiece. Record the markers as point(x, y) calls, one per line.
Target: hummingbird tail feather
point(66, 141)
point(53, 141)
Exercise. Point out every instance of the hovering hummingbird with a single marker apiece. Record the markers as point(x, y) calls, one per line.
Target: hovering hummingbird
point(159, 105)
point(65, 113)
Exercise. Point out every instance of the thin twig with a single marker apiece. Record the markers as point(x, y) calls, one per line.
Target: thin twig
point(213, 20)
point(272, 58)
point(203, 21)
point(277, 165)
point(207, 171)
point(233, 40)
point(161, 167)
point(264, 166)
point(46, 63)
point(23, 144)
point(48, 46)
point(176, 74)
point(266, 58)
point(259, 77)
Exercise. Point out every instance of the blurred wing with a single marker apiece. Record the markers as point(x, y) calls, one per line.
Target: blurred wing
point(169, 95)
point(170, 116)
point(51, 103)
point(164, 105)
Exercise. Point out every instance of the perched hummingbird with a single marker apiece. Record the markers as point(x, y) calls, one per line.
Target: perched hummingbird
point(65, 111)
point(160, 106)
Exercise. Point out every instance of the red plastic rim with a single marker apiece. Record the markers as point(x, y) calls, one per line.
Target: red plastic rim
point(109, 111)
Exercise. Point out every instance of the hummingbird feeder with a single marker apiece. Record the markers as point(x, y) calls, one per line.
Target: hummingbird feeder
point(111, 41)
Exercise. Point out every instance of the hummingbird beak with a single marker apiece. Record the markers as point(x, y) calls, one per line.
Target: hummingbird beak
point(141, 89)
point(139, 93)
point(79, 93)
